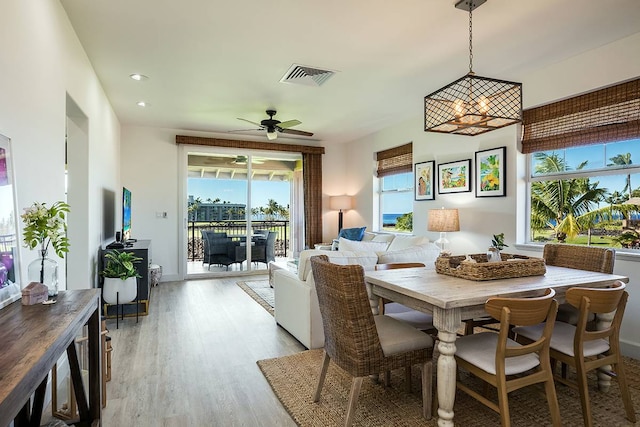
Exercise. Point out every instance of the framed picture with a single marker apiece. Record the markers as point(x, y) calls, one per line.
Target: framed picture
point(10, 290)
point(454, 177)
point(491, 179)
point(424, 174)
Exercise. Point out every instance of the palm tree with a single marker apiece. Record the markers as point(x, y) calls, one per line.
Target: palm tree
point(623, 160)
point(272, 209)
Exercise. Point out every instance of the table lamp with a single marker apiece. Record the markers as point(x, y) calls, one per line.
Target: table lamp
point(443, 220)
point(340, 203)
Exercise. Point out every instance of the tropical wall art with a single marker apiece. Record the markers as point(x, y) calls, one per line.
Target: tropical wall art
point(491, 177)
point(424, 177)
point(454, 177)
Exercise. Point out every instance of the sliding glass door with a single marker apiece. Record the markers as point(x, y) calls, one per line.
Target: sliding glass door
point(238, 210)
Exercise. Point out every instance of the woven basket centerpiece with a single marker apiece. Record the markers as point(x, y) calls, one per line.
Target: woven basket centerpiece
point(510, 266)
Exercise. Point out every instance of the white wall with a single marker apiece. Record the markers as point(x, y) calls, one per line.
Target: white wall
point(42, 62)
point(482, 217)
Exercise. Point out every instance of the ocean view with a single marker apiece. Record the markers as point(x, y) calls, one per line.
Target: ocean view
point(390, 219)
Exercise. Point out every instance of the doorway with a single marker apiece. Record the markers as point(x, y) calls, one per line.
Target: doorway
point(241, 210)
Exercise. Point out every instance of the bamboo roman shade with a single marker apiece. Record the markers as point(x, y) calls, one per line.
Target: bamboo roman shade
point(606, 115)
point(394, 160)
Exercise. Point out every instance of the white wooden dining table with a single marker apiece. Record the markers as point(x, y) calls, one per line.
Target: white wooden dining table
point(452, 300)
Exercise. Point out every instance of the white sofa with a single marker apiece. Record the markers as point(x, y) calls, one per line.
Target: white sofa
point(296, 302)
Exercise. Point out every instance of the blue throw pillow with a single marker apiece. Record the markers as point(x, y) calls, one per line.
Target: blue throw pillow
point(352, 233)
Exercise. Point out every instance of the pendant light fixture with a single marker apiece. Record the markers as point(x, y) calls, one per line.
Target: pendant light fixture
point(472, 104)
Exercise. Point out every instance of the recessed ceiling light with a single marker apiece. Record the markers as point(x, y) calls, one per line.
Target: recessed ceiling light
point(139, 77)
point(142, 104)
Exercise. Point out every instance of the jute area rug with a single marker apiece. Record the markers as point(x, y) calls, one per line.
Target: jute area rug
point(293, 379)
point(261, 292)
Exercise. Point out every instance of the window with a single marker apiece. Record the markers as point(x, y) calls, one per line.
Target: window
point(394, 170)
point(586, 195)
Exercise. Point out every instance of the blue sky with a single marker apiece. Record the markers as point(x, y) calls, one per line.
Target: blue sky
point(235, 190)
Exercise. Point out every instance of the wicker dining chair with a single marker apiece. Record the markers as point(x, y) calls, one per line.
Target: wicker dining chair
point(506, 364)
point(415, 318)
point(587, 350)
point(581, 257)
point(359, 342)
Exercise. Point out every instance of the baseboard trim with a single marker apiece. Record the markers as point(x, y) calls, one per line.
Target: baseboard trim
point(630, 349)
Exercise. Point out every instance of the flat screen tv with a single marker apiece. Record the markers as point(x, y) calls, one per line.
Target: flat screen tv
point(126, 214)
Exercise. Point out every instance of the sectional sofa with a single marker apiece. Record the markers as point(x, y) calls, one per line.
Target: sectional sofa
point(296, 302)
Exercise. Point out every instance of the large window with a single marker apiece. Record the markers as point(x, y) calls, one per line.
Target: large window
point(394, 171)
point(586, 194)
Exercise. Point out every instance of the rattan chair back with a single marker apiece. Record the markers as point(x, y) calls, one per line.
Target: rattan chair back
point(581, 257)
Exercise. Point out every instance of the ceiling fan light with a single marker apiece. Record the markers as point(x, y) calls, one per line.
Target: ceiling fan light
point(271, 135)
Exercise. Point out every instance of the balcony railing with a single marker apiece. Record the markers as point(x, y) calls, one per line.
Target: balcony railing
point(238, 229)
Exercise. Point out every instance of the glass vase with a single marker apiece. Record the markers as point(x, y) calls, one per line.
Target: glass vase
point(44, 270)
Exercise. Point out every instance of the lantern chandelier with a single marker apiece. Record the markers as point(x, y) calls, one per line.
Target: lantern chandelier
point(472, 104)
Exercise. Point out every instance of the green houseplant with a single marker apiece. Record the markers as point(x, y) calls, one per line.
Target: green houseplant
point(120, 277)
point(43, 227)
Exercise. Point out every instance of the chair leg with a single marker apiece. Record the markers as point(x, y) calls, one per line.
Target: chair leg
point(407, 378)
point(503, 402)
point(552, 400)
point(624, 390)
point(583, 388)
point(353, 400)
point(427, 389)
point(321, 377)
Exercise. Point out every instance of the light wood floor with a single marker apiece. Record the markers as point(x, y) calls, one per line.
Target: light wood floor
point(192, 360)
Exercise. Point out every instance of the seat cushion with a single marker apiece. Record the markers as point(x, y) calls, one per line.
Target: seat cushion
point(562, 338)
point(480, 350)
point(414, 318)
point(398, 337)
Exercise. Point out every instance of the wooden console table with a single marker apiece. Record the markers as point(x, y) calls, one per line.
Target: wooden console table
point(33, 338)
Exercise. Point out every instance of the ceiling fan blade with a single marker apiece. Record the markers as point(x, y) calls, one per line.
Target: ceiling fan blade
point(245, 130)
point(249, 121)
point(289, 124)
point(296, 132)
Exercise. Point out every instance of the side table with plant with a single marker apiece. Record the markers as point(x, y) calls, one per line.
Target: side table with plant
point(120, 277)
point(44, 227)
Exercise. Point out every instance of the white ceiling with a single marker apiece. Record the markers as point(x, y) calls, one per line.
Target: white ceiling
point(210, 62)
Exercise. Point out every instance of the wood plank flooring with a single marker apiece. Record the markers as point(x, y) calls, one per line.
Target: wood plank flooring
point(192, 360)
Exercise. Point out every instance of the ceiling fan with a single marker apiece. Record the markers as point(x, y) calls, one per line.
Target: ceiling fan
point(273, 126)
point(242, 160)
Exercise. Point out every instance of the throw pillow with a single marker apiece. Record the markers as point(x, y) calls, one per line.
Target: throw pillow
point(407, 241)
point(370, 246)
point(425, 254)
point(352, 233)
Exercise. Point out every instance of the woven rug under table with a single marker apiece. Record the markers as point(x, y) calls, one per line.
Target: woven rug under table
point(261, 292)
point(293, 379)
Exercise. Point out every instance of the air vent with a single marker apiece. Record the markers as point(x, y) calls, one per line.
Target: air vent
point(309, 76)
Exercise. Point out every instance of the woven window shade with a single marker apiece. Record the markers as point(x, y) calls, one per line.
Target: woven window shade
point(606, 115)
point(395, 160)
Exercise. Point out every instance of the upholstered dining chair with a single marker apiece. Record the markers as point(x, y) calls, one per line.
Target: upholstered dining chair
point(587, 350)
point(581, 257)
point(496, 358)
point(359, 342)
point(415, 318)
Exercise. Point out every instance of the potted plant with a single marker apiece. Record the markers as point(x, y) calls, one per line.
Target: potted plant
point(120, 277)
point(44, 227)
point(497, 244)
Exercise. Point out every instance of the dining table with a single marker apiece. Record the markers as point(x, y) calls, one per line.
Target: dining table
point(451, 300)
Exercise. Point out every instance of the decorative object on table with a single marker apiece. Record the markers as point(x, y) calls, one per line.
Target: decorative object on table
point(155, 274)
point(497, 245)
point(45, 226)
point(340, 203)
point(34, 293)
point(120, 277)
point(454, 177)
point(472, 104)
point(511, 266)
point(491, 178)
point(424, 176)
point(443, 220)
point(9, 253)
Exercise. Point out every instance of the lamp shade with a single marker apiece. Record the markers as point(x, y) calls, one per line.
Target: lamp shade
point(443, 220)
point(338, 203)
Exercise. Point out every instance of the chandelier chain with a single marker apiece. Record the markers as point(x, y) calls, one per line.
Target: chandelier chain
point(471, 38)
